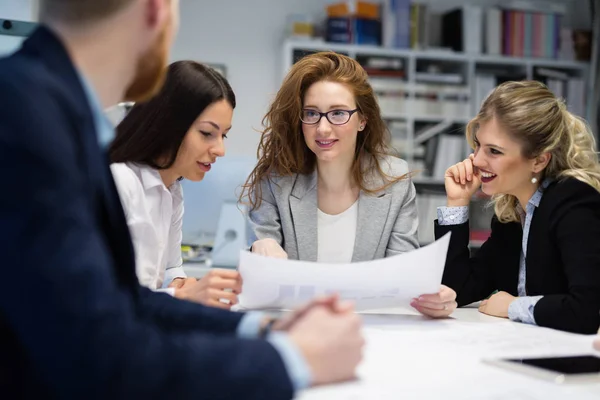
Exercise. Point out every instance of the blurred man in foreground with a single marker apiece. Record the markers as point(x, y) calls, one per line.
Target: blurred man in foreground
point(74, 322)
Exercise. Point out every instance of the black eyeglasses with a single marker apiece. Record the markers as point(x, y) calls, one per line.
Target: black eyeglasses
point(335, 117)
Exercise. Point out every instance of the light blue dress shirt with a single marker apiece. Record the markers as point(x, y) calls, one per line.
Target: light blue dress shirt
point(521, 309)
point(249, 325)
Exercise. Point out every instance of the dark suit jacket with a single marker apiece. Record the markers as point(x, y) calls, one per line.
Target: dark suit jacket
point(74, 322)
point(563, 259)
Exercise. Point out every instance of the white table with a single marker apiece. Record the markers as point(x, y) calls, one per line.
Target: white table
point(408, 356)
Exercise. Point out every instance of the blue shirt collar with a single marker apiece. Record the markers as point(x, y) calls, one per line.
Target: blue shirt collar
point(105, 131)
point(537, 196)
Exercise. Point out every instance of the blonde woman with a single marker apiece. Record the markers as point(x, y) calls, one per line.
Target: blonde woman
point(542, 260)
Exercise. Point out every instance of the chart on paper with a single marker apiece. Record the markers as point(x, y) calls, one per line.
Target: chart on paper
point(292, 294)
point(388, 282)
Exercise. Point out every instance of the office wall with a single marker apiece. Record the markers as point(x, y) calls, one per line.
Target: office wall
point(22, 10)
point(17, 9)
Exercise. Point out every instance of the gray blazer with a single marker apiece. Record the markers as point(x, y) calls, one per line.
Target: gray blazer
point(387, 221)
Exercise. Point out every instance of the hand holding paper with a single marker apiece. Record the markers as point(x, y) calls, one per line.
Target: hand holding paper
point(436, 305)
point(389, 282)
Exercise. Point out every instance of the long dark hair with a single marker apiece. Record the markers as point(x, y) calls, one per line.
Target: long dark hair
point(152, 131)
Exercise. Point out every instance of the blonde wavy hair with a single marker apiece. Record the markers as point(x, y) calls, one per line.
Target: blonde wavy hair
point(540, 121)
point(282, 150)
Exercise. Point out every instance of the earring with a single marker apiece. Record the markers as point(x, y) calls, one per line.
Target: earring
point(361, 127)
point(534, 180)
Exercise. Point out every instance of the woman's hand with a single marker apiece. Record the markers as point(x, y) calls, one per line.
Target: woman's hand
point(461, 181)
point(269, 248)
point(437, 305)
point(497, 305)
point(178, 283)
point(218, 284)
point(597, 342)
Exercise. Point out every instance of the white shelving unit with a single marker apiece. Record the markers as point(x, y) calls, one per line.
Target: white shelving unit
point(353, 50)
point(467, 65)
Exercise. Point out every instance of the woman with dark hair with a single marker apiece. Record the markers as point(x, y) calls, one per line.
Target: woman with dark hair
point(324, 165)
point(176, 135)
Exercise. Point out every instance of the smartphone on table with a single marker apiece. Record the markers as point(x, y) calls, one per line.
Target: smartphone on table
point(567, 369)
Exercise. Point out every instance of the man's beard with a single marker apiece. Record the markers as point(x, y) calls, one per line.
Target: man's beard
point(151, 71)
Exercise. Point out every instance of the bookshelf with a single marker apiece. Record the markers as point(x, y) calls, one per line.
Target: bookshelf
point(427, 98)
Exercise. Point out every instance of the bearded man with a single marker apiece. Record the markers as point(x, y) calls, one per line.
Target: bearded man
point(74, 321)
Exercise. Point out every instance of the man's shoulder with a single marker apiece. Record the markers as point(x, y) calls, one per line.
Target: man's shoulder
point(23, 73)
point(33, 102)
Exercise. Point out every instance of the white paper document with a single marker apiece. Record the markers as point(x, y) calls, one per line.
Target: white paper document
point(388, 282)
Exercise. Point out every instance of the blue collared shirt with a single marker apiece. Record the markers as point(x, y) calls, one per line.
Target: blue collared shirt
point(521, 309)
point(249, 325)
point(104, 129)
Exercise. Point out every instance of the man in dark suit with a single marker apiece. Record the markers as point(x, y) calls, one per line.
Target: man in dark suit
point(74, 322)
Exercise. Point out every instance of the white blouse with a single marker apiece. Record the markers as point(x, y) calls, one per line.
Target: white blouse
point(336, 235)
point(154, 215)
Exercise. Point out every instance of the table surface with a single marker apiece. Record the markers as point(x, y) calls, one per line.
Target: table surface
point(409, 356)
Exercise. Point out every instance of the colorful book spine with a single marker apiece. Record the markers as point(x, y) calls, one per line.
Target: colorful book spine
point(517, 34)
point(507, 19)
point(528, 36)
point(402, 11)
point(543, 31)
point(537, 35)
point(557, 27)
point(549, 34)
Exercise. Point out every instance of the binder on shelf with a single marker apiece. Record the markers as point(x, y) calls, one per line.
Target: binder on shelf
point(462, 29)
point(432, 131)
point(493, 33)
point(438, 78)
point(419, 27)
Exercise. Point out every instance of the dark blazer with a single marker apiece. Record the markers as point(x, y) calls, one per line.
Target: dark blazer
point(563, 259)
point(74, 322)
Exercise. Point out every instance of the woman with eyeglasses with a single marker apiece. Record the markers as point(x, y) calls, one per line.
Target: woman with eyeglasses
point(326, 187)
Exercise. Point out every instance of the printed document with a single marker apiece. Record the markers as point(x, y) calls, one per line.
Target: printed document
point(271, 283)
